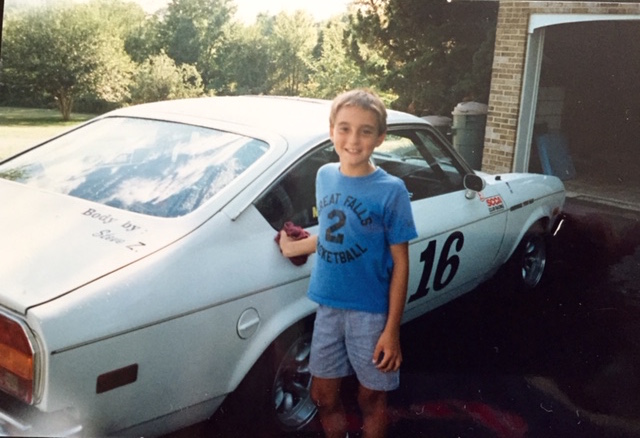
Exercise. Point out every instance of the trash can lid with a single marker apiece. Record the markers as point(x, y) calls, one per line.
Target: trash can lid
point(437, 120)
point(470, 108)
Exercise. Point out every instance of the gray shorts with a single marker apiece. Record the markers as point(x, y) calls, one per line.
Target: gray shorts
point(343, 343)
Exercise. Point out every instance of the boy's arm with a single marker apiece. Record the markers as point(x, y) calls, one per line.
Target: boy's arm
point(292, 248)
point(389, 342)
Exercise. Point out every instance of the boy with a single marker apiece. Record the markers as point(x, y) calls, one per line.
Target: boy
point(361, 270)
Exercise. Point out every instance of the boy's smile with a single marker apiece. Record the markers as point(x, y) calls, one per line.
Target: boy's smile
point(355, 135)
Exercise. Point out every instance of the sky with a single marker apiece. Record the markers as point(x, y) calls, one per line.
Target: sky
point(247, 9)
point(320, 9)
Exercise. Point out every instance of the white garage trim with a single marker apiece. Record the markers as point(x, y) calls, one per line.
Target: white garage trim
point(537, 21)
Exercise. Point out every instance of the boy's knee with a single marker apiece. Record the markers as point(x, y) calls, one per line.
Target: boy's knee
point(371, 400)
point(325, 394)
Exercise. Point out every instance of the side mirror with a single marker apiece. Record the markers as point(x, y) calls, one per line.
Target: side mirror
point(474, 184)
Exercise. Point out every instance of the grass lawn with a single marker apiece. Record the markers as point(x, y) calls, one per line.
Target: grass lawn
point(24, 127)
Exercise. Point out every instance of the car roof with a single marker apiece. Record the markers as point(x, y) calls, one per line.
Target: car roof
point(289, 117)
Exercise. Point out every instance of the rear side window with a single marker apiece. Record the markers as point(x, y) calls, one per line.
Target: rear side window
point(146, 166)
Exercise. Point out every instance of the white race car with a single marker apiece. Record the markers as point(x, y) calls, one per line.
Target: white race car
point(141, 284)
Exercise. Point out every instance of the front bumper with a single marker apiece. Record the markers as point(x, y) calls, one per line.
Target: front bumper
point(21, 420)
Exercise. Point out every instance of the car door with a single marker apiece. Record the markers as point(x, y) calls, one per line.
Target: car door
point(458, 238)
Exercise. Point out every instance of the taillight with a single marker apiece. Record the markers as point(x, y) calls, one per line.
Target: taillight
point(17, 375)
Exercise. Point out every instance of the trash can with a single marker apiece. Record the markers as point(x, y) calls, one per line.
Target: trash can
point(469, 121)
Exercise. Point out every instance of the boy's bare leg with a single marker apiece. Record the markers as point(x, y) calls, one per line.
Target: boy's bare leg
point(326, 395)
point(373, 405)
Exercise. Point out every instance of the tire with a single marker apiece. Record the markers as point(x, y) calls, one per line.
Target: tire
point(526, 267)
point(291, 385)
point(275, 396)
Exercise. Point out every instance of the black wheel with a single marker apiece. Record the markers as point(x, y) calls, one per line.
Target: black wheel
point(527, 264)
point(290, 392)
point(275, 395)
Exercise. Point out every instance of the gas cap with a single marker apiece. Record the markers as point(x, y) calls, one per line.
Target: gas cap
point(248, 323)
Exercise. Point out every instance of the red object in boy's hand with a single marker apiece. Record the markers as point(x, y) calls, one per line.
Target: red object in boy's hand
point(296, 233)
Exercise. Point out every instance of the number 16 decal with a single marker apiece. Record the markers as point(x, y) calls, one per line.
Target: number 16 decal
point(447, 263)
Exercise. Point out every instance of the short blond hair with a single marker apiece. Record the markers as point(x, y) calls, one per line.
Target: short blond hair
point(361, 98)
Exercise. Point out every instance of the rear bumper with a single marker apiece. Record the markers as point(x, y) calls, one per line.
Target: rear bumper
point(22, 420)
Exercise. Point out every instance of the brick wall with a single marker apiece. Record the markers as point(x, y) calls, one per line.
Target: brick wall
point(508, 68)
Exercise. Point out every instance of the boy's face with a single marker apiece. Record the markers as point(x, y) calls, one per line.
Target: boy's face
point(355, 136)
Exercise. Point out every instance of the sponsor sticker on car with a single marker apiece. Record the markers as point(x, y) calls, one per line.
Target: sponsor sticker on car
point(494, 203)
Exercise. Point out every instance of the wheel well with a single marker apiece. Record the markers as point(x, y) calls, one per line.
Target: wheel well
point(526, 265)
point(544, 222)
point(540, 225)
point(251, 399)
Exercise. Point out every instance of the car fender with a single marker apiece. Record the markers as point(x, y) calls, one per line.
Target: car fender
point(295, 312)
point(529, 198)
point(546, 214)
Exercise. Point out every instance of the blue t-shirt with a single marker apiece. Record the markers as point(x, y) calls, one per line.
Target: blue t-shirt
point(359, 217)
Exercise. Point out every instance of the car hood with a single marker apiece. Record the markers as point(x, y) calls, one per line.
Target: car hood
point(52, 244)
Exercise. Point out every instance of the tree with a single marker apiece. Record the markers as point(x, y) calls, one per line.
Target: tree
point(332, 70)
point(121, 16)
point(63, 53)
point(245, 62)
point(143, 39)
point(294, 37)
point(194, 31)
point(158, 78)
point(436, 53)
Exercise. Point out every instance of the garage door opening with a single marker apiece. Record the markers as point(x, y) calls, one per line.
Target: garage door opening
point(589, 94)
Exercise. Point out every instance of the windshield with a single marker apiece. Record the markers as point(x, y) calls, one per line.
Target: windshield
point(146, 166)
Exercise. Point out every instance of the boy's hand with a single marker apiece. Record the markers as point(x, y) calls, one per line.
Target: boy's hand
point(387, 355)
point(293, 248)
point(285, 243)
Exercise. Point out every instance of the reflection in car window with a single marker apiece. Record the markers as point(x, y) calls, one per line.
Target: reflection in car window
point(146, 166)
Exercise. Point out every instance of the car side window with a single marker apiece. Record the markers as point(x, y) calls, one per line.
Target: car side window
point(420, 160)
point(293, 196)
point(417, 157)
